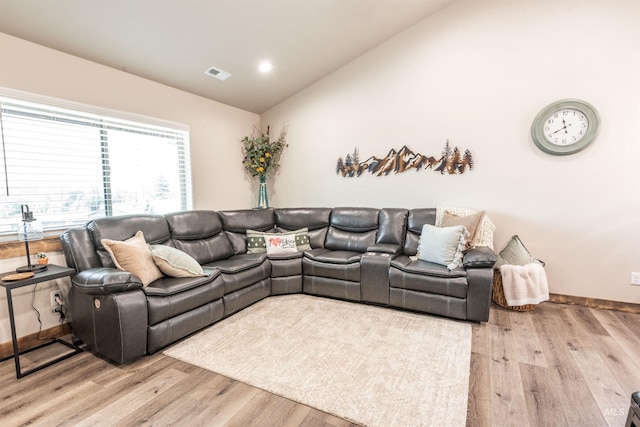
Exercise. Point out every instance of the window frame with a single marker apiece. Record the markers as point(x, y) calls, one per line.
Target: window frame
point(184, 182)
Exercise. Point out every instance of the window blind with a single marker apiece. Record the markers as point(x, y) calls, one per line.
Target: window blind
point(72, 163)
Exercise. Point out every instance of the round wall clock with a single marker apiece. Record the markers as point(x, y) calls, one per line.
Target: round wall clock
point(565, 127)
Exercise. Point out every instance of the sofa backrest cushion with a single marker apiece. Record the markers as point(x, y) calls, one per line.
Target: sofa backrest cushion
point(352, 229)
point(154, 228)
point(316, 220)
point(392, 226)
point(237, 222)
point(415, 221)
point(200, 234)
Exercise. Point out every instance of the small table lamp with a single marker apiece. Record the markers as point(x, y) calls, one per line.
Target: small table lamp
point(29, 229)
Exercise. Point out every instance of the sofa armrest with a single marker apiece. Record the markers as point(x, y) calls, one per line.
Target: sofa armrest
point(479, 258)
point(386, 248)
point(104, 281)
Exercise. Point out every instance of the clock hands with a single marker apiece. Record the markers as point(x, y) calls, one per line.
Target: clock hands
point(564, 128)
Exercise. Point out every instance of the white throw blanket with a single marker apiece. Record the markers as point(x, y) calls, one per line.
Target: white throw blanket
point(524, 284)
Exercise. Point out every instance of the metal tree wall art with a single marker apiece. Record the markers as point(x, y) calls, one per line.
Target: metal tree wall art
point(451, 162)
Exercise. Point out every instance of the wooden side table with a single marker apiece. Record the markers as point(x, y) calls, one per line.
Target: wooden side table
point(51, 273)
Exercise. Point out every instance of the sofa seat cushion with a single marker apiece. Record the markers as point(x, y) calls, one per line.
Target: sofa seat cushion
point(333, 257)
point(286, 264)
point(284, 256)
point(406, 264)
point(342, 265)
point(163, 307)
point(241, 271)
point(422, 276)
point(172, 285)
point(238, 263)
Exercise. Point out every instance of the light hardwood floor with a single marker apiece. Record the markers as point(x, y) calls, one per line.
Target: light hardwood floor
point(560, 365)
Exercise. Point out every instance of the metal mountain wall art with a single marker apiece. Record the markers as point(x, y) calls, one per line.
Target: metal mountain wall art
point(451, 162)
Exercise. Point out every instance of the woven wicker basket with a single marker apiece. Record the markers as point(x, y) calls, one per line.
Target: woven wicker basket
point(498, 295)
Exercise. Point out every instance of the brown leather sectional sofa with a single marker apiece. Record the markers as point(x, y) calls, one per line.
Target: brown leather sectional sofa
point(357, 254)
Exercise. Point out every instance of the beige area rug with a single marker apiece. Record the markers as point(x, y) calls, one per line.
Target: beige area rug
point(373, 366)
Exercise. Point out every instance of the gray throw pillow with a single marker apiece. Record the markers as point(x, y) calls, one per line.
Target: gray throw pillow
point(514, 253)
point(175, 263)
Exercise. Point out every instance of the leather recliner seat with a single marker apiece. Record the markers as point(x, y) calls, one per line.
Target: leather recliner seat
point(357, 254)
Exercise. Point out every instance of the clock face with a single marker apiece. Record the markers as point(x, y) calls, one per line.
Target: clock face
point(565, 127)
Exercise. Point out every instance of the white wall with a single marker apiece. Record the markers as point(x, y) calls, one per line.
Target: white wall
point(216, 130)
point(477, 73)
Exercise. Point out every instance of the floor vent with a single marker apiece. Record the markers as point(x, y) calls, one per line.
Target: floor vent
point(217, 73)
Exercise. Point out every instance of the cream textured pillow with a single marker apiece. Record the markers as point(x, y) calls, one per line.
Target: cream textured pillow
point(470, 222)
point(442, 245)
point(175, 263)
point(133, 255)
point(484, 234)
point(280, 243)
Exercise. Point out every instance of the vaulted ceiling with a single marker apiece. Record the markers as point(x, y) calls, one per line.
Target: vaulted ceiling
point(175, 41)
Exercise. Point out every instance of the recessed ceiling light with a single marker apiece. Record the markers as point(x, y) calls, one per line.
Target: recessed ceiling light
point(265, 66)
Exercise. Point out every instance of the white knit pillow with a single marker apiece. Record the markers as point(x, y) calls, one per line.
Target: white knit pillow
point(484, 234)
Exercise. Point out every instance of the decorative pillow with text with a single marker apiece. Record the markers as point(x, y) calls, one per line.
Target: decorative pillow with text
point(280, 243)
point(256, 243)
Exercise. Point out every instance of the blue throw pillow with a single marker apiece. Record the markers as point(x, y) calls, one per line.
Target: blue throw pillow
point(442, 245)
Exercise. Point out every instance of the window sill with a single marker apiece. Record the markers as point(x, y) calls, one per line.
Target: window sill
point(14, 249)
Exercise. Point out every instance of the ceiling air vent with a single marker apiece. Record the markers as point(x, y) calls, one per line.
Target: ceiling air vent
point(217, 73)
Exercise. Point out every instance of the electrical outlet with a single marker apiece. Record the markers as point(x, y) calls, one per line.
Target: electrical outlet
point(635, 278)
point(53, 294)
